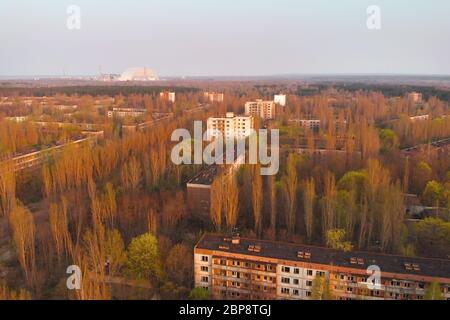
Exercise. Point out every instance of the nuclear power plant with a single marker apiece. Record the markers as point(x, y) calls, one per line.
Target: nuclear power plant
point(139, 74)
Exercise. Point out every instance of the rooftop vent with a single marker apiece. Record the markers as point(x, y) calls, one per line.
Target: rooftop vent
point(303, 255)
point(353, 260)
point(221, 247)
point(360, 261)
point(412, 266)
point(256, 249)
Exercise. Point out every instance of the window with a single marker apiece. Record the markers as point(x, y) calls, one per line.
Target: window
point(285, 280)
point(296, 292)
point(296, 271)
point(309, 272)
point(284, 290)
point(295, 281)
point(286, 269)
point(320, 273)
point(205, 279)
point(309, 283)
point(204, 269)
point(308, 293)
point(205, 258)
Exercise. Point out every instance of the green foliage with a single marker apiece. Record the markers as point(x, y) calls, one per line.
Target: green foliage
point(434, 292)
point(352, 180)
point(179, 264)
point(199, 294)
point(143, 257)
point(435, 194)
point(389, 140)
point(422, 174)
point(433, 237)
point(336, 240)
point(321, 289)
point(115, 250)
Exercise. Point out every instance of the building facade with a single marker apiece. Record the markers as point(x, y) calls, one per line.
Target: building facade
point(259, 108)
point(280, 99)
point(230, 127)
point(126, 113)
point(213, 96)
point(237, 268)
point(167, 96)
point(415, 97)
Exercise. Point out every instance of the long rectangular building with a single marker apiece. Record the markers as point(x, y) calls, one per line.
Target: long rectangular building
point(239, 268)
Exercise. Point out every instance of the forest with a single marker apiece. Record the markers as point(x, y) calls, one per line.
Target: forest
point(119, 209)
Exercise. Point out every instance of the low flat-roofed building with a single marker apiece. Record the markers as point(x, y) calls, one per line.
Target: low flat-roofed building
point(127, 113)
point(307, 123)
point(240, 268)
point(199, 191)
point(420, 118)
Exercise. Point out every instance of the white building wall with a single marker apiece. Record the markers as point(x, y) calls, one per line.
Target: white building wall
point(201, 275)
point(280, 99)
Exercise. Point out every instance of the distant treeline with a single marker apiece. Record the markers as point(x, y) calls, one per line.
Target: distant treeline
point(92, 90)
point(386, 89)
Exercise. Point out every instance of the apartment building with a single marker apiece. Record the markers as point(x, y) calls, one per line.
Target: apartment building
point(200, 186)
point(259, 108)
point(213, 96)
point(126, 113)
point(239, 268)
point(167, 96)
point(415, 97)
point(230, 127)
point(280, 99)
point(313, 124)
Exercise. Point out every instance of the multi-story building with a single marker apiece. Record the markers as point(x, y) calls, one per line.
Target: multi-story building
point(230, 127)
point(213, 96)
point(167, 96)
point(305, 123)
point(280, 99)
point(238, 268)
point(260, 108)
point(126, 112)
point(415, 97)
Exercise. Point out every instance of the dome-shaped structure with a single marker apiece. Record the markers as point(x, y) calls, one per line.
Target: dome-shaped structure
point(139, 74)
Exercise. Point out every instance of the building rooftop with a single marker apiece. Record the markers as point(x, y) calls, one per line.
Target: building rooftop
point(205, 177)
point(326, 256)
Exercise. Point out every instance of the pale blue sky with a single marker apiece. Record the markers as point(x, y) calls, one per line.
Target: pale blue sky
point(224, 37)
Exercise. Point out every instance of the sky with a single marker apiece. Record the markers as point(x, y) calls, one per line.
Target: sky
point(224, 37)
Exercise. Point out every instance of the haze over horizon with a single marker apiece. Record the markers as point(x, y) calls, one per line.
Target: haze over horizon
point(223, 38)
